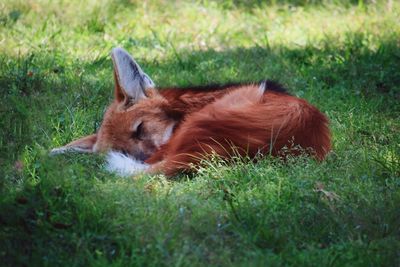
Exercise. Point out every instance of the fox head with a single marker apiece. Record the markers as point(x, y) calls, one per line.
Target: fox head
point(136, 122)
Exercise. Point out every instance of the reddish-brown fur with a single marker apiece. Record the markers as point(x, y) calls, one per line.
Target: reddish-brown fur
point(241, 122)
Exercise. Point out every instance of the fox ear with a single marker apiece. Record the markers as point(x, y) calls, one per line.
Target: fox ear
point(81, 145)
point(130, 80)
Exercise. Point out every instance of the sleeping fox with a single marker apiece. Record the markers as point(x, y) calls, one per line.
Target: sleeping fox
point(172, 130)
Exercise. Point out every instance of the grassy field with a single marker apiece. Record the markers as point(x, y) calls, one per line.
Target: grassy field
point(56, 80)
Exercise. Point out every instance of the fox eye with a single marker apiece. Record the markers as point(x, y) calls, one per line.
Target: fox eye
point(138, 133)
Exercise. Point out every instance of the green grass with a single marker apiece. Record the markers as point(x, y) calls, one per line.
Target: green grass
point(56, 80)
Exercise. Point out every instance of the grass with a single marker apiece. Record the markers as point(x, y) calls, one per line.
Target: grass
point(56, 80)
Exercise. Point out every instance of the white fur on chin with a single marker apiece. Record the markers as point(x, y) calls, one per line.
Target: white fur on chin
point(124, 165)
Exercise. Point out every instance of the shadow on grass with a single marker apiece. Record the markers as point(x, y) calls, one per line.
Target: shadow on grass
point(250, 4)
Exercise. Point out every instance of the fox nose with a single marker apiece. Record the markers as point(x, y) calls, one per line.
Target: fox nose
point(142, 156)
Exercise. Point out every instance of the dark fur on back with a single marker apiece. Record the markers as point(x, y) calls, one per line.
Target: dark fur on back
point(185, 100)
point(271, 86)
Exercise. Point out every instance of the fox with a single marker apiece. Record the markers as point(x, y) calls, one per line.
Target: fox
point(168, 131)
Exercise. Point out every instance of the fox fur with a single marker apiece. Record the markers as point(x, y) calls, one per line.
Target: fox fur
point(170, 130)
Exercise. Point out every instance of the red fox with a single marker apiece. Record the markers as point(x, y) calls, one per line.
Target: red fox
point(171, 130)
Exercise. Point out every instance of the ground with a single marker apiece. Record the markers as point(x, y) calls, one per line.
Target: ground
point(67, 210)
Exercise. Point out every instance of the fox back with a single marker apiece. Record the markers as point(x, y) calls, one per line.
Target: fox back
point(171, 130)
